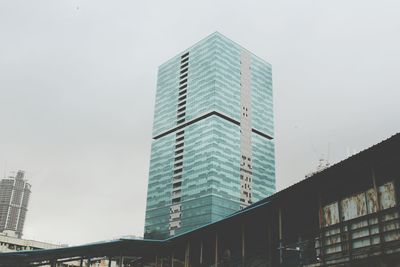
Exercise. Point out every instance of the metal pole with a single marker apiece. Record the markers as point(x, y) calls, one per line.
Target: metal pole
point(187, 253)
point(243, 246)
point(300, 251)
point(216, 249)
point(280, 236)
point(201, 253)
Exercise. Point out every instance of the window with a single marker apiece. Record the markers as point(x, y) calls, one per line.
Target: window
point(185, 55)
point(184, 60)
point(177, 171)
point(176, 200)
point(179, 145)
point(176, 185)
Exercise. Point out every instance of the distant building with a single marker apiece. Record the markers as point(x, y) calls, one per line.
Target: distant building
point(11, 244)
point(14, 244)
point(14, 198)
point(213, 149)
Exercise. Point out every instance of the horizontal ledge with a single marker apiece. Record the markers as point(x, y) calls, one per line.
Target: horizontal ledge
point(209, 114)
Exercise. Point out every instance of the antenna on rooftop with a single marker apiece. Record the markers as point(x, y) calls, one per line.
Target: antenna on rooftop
point(5, 169)
point(329, 152)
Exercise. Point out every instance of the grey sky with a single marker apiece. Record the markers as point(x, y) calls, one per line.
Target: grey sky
point(77, 87)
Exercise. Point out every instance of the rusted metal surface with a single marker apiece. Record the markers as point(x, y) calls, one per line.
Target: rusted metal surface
point(387, 196)
point(360, 204)
point(353, 207)
point(368, 221)
point(372, 201)
point(331, 214)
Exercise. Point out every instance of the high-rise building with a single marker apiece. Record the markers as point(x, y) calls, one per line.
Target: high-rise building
point(212, 151)
point(14, 197)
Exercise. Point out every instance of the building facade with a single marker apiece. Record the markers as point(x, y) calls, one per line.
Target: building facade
point(12, 244)
point(14, 197)
point(212, 151)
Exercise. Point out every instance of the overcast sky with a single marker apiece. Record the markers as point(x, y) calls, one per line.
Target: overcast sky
point(78, 79)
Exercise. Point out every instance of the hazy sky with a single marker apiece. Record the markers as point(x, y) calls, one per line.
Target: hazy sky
point(77, 88)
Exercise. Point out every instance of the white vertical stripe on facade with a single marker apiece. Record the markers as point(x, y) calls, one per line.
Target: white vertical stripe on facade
point(245, 129)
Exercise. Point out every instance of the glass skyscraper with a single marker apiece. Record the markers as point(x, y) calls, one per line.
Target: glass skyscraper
point(213, 151)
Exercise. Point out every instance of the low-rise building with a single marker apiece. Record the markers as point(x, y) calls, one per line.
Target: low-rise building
point(12, 244)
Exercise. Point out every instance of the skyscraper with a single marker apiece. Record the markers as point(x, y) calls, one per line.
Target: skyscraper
point(14, 197)
point(212, 151)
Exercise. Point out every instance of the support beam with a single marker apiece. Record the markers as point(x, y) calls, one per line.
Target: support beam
point(187, 254)
point(378, 201)
point(243, 245)
point(300, 250)
point(280, 236)
point(201, 253)
point(216, 249)
point(321, 229)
